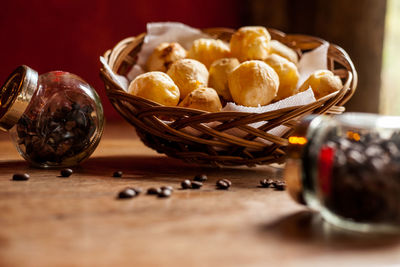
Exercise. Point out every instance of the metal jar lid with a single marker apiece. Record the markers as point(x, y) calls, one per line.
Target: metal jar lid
point(15, 95)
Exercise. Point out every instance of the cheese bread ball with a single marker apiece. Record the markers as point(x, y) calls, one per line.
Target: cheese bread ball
point(288, 75)
point(156, 86)
point(208, 50)
point(322, 82)
point(188, 75)
point(219, 71)
point(284, 51)
point(164, 55)
point(204, 98)
point(249, 43)
point(253, 83)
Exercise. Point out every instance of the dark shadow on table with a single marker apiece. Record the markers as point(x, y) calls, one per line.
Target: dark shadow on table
point(162, 167)
point(157, 168)
point(308, 228)
point(16, 165)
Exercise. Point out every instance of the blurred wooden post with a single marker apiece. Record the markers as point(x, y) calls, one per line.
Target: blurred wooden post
point(357, 26)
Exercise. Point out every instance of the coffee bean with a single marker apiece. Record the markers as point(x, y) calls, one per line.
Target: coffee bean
point(264, 183)
point(344, 144)
point(377, 164)
point(227, 181)
point(165, 193)
point(196, 185)
point(223, 185)
point(280, 185)
point(340, 158)
point(60, 133)
point(153, 191)
point(267, 183)
point(364, 182)
point(186, 184)
point(200, 178)
point(392, 148)
point(167, 187)
point(69, 125)
point(138, 190)
point(355, 158)
point(117, 174)
point(374, 151)
point(20, 177)
point(75, 106)
point(127, 193)
point(66, 172)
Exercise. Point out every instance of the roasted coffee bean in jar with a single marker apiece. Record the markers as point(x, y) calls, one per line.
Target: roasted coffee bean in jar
point(55, 119)
point(348, 168)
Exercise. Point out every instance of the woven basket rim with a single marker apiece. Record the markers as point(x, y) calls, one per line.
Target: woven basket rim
point(169, 136)
point(352, 75)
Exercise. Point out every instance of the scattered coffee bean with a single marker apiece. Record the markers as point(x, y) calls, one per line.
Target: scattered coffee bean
point(66, 172)
point(153, 191)
point(138, 190)
point(267, 183)
point(127, 193)
point(222, 184)
point(196, 185)
point(167, 187)
point(118, 174)
point(264, 183)
point(186, 184)
point(165, 193)
point(200, 178)
point(227, 181)
point(280, 185)
point(20, 177)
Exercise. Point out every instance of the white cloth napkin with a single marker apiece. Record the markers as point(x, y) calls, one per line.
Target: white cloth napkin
point(302, 98)
point(312, 61)
point(122, 81)
point(160, 32)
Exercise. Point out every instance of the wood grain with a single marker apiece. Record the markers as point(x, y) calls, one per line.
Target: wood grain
point(77, 221)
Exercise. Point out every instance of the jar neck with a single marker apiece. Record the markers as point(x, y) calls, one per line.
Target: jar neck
point(15, 95)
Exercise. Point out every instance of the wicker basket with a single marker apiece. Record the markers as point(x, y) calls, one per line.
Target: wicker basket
point(215, 146)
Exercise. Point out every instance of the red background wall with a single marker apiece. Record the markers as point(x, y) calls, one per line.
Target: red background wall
point(71, 35)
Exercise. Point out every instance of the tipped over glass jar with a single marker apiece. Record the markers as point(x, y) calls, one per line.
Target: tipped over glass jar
point(347, 167)
point(55, 119)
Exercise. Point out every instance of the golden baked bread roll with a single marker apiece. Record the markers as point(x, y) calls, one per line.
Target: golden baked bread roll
point(253, 83)
point(164, 55)
point(252, 42)
point(284, 51)
point(288, 75)
point(322, 82)
point(204, 98)
point(188, 75)
point(218, 79)
point(156, 86)
point(208, 50)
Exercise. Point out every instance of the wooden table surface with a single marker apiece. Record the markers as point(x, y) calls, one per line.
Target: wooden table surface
point(77, 221)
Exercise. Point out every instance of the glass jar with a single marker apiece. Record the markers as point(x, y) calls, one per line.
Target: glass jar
point(55, 119)
point(347, 167)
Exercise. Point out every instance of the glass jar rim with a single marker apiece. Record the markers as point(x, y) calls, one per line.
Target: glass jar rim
point(15, 95)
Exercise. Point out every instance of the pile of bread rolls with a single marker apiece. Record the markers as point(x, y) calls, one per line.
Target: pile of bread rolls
point(252, 70)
